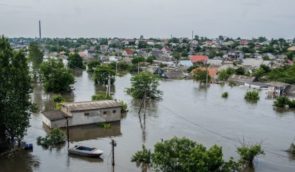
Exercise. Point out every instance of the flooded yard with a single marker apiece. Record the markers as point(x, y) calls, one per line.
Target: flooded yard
point(185, 110)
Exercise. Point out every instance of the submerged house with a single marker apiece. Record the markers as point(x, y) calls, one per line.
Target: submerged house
point(83, 113)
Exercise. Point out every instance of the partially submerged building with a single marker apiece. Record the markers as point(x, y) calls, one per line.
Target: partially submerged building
point(83, 113)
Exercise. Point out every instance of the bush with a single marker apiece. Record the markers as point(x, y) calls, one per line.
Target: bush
point(248, 153)
point(124, 107)
point(101, 96)
point(34, 108)
point(58, 100)
point(105, 125)
point(252, 96)
point(283, 102)
point(224, 95)
point(223, 75)
point(54, 138)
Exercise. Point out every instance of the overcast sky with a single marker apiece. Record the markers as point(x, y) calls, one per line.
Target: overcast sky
point(151, 18)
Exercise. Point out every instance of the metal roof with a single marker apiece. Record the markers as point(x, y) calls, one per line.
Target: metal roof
point(91, 105)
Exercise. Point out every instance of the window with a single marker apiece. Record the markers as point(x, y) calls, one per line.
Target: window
point(86, 114)
point(114, 111)
point(104, 112)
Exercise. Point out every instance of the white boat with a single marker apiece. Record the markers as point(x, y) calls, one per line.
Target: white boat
point(85, 151)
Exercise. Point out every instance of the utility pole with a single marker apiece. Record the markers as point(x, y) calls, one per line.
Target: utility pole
point(206, 73)
point(138, 67)
point(68, 133)
point(116, 67)
point(113, 143)
point(109, 83)
point(108, 91)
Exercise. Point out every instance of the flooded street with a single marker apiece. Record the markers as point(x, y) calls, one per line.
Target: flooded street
point(186, 110)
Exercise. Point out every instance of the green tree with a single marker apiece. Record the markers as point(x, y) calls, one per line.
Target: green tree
point(102, 74)
point(176, 56)
point(292, 149)
point(144, 84)
point(240, 71)
point(284, 74)
point(15, 88)
point(201, 75)
point(182, 155)
point(55, 77)
point(224, 74)
point(142, 158)
point(248, 153)
point(137, 60)
point(91, 66)
point(150, 59)
point(35, 54)
point(36, 57)
point(75, 61)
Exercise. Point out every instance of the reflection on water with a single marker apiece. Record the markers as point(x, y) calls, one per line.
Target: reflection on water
point(88, 159)
point(89, 132)
point(20, 161)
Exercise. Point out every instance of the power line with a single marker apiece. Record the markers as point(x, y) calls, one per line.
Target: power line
point(214, 132)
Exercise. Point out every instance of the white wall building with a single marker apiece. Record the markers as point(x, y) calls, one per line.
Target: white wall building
point(83, 113)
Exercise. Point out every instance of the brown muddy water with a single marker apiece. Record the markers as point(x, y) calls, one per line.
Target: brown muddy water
point(186, 110)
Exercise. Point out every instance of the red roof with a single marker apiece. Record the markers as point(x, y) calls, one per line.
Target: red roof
point(129, 51)
point(199, 58)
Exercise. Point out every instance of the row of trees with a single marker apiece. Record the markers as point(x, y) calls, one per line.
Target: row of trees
point(182, 154)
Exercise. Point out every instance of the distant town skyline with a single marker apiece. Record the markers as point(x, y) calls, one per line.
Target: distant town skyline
point(150, 18)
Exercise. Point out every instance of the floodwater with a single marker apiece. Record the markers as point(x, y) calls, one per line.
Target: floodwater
point(186, 110)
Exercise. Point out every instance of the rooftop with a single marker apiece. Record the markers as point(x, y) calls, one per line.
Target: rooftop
point(198, 58)
point(91, 105)
point(54, 115)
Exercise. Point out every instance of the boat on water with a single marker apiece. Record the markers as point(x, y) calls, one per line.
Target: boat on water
point(85, 151)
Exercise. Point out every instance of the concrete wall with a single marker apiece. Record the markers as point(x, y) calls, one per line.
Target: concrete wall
point(96, 116)
point(54, 124)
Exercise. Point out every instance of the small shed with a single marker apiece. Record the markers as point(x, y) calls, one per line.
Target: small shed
point(241, 79)
point(277, 89)
point(83, 113)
